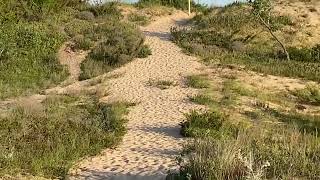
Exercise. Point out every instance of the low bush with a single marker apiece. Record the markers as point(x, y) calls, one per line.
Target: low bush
point(82, 43)
point(305, 54)
point(46, 141)
point(85, 15)
point(119, 44)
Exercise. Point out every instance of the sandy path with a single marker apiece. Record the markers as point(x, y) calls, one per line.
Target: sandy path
point(149, 148)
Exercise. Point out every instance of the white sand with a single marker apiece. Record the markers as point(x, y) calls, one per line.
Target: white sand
point(152, 143)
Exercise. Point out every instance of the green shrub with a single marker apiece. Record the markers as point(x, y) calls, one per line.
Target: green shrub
point(47, 142)
point(33, 10)
point(119, 44)
point(77, 26)
point(29, 60)
point(305, 54)
point(92, 68)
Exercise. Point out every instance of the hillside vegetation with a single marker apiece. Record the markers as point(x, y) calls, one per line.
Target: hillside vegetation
point(258, 125)
point(46, 137)
point(234, 35)
point(33, 31)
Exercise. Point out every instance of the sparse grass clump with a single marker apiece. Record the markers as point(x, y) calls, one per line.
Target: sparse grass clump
point(212, 124)
point(162, 84)
point(309, 95)
point(197, 81)
point(144, 52)
point(138, 19)
point(203, 99)
point(46, 141)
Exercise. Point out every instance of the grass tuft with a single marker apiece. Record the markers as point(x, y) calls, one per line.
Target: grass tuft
point(198, 82)
point(309, 95)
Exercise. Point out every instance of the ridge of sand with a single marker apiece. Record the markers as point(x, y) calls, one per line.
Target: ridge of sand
point(153, 141)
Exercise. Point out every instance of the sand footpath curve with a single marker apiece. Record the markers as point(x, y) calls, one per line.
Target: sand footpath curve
point(152, 143)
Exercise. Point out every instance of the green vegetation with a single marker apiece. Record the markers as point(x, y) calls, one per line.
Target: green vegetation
point(28, 58)
point(179, 4)
point(162, 84)
point(33, 31)
point(309, 95)
point(139, 19)
point(235, 35)
point(144, 52)
point(46, 139)
point(197, 82)
point(263, 143)
point(118, 44)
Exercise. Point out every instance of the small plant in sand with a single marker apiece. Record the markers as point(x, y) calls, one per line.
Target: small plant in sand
point(162, 84)
point(197, 81)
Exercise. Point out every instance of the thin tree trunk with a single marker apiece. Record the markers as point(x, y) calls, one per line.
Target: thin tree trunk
point(275, 37)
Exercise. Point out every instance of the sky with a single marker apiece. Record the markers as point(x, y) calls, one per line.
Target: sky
point(208, 2)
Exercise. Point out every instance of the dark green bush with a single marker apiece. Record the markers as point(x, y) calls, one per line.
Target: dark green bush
point(47, 142)
point(305, 54)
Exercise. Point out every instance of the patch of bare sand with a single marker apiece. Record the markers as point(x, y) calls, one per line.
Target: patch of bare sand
point(307, 16)
point(153, 140)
